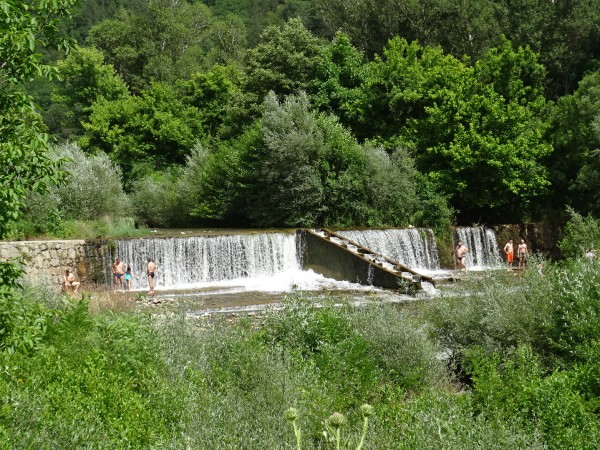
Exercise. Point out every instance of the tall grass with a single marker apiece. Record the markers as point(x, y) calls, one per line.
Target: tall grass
point(71, 377)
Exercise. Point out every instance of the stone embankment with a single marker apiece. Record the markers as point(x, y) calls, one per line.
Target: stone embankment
point(46, 261)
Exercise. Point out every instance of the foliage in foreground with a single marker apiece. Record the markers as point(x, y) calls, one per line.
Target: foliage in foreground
point(529, 361)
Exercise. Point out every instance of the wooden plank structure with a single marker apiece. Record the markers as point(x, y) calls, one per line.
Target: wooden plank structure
point(337, 257)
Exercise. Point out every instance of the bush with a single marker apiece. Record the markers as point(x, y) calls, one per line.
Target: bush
point(93, 188)
point(401, 346)
point(581, 234)
point(234, 387)
point(439, 419)
point(92, 191)
point(89, 382)
point(496, 312)
point(157, 200)
point(517, 387)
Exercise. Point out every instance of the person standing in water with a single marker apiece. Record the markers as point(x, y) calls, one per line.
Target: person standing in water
point(523, 253)
point(128, 278)
point(118, 269)
point(509, 251)
point(151, 272)
point(461, 253)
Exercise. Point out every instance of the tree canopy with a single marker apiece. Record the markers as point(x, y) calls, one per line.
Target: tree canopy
point(485, 103)
point(24, 164)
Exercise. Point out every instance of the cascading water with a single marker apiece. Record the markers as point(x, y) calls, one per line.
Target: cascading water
point(412, 247)
point(483, 247)
point(195, 261)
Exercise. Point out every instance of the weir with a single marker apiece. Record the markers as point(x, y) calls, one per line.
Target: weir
point(254, 260)
point(186, 262)
point(340, 258)
point(412, 247)
point(483, 247)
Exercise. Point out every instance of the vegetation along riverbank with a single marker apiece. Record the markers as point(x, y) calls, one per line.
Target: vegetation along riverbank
point(510, 363)
point(118, 116)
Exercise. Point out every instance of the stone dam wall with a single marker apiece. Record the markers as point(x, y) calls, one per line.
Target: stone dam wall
point(90, 260)
point(46, 261)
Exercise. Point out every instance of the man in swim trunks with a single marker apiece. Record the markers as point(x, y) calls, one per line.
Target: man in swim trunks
point(151, 271)
point(509, 250)
point(69, 282)
point(118, 269)
point(522, 252)
point(461, 253)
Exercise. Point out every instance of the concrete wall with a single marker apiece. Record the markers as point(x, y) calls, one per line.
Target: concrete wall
point(46, 261)
point(333, 261)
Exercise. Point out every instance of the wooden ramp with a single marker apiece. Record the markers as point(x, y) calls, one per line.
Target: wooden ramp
point(337, 257)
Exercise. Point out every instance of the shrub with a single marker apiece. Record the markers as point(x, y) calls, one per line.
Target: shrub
point(94, 383)
point(573, 290)
point(401, 346)
point(93, 188)
point(517, 387)
point(443, 419)
point(496, 312)
point(157, 201)
point(581, 234)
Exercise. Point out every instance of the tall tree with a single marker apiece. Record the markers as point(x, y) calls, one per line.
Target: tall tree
point(85, 81)
point(285, 61)
point(575, 165)
point(165, 41)
point(468, 27)
point(564, 33)
point(25, 27)
point(337, 87)
point(146, 132)
point(480, 142)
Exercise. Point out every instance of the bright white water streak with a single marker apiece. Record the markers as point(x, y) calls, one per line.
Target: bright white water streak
point(483, 247)
point(412, 247)
point(198, 261)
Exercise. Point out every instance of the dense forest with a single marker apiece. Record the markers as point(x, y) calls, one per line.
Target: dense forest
point(313, 112)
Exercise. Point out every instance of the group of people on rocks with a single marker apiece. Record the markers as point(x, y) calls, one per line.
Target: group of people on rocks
point(462, 250)
point(123, 276)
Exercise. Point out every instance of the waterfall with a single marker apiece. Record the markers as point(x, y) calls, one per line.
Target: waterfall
point(198, 260)
point(412, 247)
point(483, 247)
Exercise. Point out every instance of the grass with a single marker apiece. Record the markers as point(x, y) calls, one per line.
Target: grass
point(107, 226)
point(99, 373)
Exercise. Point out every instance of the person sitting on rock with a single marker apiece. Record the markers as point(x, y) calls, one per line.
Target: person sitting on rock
point(69, 283)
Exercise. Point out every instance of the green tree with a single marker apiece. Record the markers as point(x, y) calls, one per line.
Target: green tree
point(285, 61)
point(164, 41)
point(123, 47)
point(25, 27)
point(340, 74)
point(85, 81)
point(477, 132)
point(462, 28)
point(575, 133)
point(155, 129)
point(212, 93)
point(565, 34)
